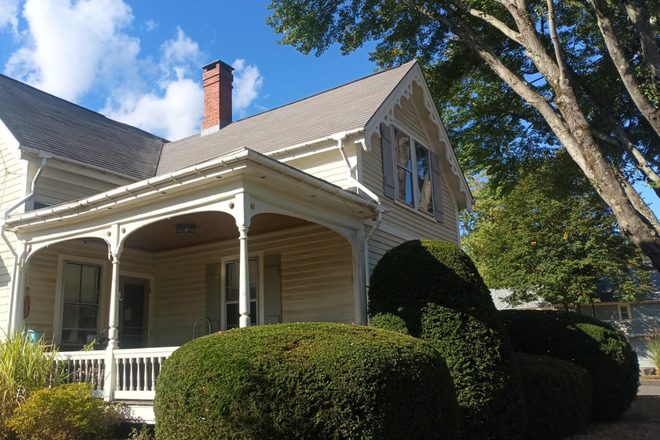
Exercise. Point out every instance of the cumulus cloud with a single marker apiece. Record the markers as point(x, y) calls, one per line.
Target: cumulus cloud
point(247, 85)
point(175, 108)
point(79, 48)
point(9, 15)
point(70, 45)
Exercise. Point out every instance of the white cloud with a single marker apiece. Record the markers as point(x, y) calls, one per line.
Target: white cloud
point(174, 107)
point(150, 25)
point(9, 14)
point(247, 85)
point(70, 45)
point(76, 48)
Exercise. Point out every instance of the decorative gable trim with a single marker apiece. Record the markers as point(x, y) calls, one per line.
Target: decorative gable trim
point(385, 115)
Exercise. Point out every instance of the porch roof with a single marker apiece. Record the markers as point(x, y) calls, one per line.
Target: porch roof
point(226, 166)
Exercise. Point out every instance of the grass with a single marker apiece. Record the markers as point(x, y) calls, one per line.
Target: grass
point(642, 421)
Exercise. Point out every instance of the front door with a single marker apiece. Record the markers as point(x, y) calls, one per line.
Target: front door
point(133, 312)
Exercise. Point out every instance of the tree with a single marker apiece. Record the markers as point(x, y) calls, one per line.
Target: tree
point(581, 75)
point(551, 236)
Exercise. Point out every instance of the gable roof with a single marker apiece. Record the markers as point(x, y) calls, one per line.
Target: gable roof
point(344, 108)
point(41, 121)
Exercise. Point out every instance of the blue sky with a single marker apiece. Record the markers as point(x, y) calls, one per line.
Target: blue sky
point(140, 61)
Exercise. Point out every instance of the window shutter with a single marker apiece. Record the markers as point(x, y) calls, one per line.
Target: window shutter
point(437, 187)
point(272, 289)
point(212, 299)
point(388, 160)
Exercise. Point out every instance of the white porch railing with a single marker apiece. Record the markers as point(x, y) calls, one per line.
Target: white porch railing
point(133, 371)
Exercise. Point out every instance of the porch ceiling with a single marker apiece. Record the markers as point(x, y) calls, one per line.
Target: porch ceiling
point(210, 227)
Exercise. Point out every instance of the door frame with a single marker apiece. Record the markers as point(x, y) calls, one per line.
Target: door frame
point(149, 298)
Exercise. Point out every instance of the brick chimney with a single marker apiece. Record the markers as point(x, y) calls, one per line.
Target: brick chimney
point(217, 96)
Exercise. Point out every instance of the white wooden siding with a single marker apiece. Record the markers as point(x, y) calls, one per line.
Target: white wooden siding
point(327, 165)
point(405, 223)
point(316, 280)
point(317, 283)
point(58, 186)
point(43, 279)
point(11, 191)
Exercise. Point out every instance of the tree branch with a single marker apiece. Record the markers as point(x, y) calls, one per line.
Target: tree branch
point(495, 22)
point(647, 38)
point(555, 41)
point(614, 47)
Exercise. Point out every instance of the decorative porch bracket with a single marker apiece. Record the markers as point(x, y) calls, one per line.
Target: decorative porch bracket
point(243, 215)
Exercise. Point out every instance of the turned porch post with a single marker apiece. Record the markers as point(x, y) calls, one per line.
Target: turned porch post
point(110, 382)
point(242, 207)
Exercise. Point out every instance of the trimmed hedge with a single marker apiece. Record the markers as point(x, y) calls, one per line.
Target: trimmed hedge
point(557, 396)
point(432, 290)
point(304, 381)
point(587, 342)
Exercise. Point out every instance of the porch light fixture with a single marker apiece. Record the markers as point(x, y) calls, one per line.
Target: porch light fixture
point(185, 229)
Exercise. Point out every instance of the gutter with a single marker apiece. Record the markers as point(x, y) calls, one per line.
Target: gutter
point(13, 306)
point(211, 168)
point(308, 144)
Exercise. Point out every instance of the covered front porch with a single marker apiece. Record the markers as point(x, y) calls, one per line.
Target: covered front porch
point(133, 275)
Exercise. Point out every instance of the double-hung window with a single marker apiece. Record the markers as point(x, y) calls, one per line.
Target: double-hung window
point(413, 173)
point(232, 280)
point(80, 313)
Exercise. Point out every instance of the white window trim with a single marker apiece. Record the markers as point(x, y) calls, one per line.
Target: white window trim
point(59, 293)
point(413, 158)
point(618, 308)
point(223, 286)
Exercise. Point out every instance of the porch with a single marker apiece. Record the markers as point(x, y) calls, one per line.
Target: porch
point(137, 272)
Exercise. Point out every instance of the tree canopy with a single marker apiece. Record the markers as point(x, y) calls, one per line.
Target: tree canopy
point(552, 237)
point(519, 80)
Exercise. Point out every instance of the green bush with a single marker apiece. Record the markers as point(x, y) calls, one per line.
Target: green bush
point(557, 396)
point(587, 342)
point(306, 381)
point(432, 290)
point(25, 367)
point(66, 412)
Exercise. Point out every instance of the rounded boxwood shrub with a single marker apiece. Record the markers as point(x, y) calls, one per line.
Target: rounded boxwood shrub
point(557, 396)
point(587, 342)
point(432, 290)
point(66, 412)
point(306, 381)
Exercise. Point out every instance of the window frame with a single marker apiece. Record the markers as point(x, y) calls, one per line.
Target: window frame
point(415, 189)
point(58, 318)
point(259, 256)
point(627, 306)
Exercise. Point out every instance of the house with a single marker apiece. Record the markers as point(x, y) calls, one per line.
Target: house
point(637, 320)
point(111, 233)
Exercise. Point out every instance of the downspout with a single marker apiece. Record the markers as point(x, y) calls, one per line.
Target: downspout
point(13, 295)
point(378, 219)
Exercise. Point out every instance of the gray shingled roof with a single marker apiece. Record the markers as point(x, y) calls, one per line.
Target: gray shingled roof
point(42, 121)
point(343, 108)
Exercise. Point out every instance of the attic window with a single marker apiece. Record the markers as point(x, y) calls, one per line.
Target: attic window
point(413, 173)
point(624, 313)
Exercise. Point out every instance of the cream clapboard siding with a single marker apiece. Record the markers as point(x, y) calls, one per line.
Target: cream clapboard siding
point(58, 186)
point(11, 191)
point(401, 223)
point(327, 165)
point(43, 278)
point(316, 278)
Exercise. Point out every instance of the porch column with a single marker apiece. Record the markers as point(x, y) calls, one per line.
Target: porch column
point(242, 208)
point(113, 331)
point(19, 306)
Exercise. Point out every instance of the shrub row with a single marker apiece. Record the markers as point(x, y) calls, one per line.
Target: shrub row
point(557, 396)
point(587, 342)
point(309, 380)
point(432, 290)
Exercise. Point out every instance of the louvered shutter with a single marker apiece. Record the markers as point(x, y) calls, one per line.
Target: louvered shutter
point(272, 289)
point(388, 160)
point(437, 187)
